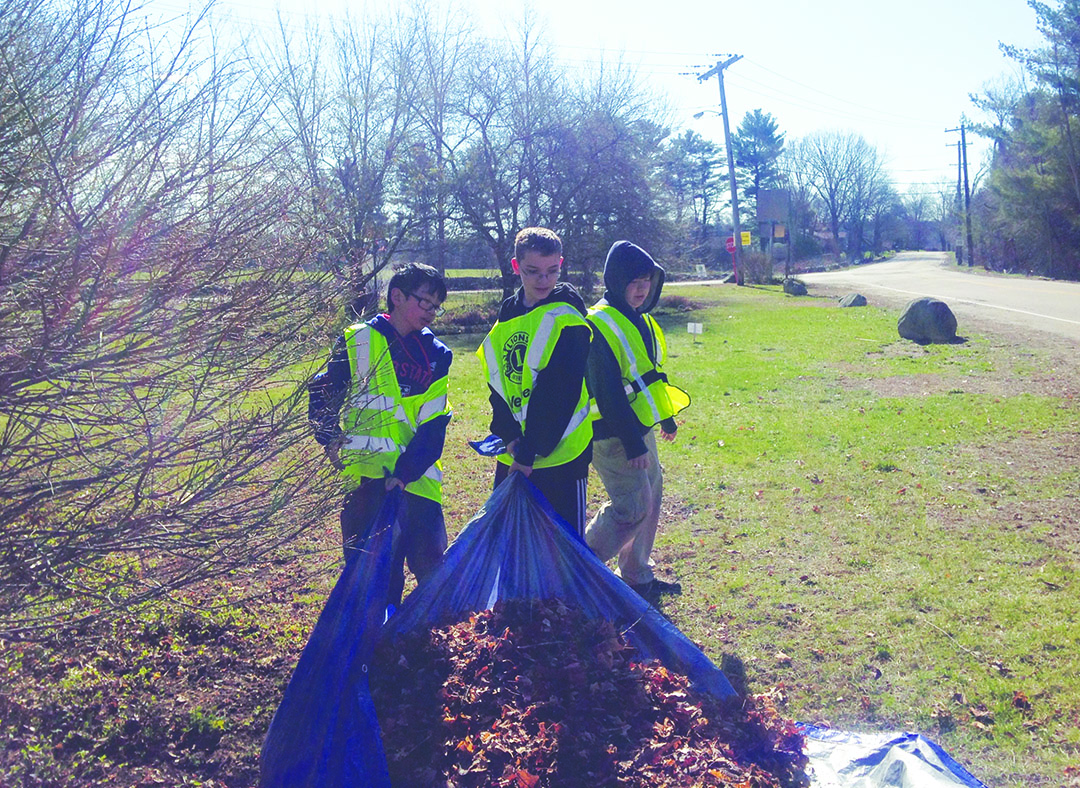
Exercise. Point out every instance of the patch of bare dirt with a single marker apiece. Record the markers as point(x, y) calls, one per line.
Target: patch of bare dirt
point(1028, 361)
point(1021, 464)
point(1053, 383)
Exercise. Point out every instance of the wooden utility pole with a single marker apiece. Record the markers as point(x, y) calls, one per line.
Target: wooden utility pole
point(967, 194)
point(959, 193)
point(718, 70)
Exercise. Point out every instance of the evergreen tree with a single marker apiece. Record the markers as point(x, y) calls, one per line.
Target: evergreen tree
point(758, 144)
point(1031, 212)
point(693, 170)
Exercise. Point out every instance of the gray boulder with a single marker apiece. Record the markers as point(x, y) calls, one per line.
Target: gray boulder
point(927, 320)
point(794, 287)
point(853, 299)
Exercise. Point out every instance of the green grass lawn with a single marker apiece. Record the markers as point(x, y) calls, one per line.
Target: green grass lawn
point(885, 533)
point(877, 527)
point(458, 273)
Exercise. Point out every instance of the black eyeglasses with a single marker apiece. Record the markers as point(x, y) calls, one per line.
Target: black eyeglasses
point(428, 305)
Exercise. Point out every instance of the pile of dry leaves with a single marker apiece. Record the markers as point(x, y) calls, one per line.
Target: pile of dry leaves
point(535, 694)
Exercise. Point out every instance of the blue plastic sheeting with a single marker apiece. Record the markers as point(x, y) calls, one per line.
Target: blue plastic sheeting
point(880, 760)
point(491, 446)
point(325, 732)
point(518, 547)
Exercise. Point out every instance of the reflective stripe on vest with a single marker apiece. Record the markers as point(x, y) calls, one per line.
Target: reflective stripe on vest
point(651, 397)
point(379, 421)
point(514, 352)
point(431, 409)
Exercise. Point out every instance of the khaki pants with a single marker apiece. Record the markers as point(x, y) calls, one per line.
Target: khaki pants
point(626, 525)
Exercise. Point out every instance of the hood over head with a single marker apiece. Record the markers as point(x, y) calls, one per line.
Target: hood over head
point(625, 262)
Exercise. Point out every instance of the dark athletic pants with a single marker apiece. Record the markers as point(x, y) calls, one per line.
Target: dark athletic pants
point(421, 538)
point(562, 485)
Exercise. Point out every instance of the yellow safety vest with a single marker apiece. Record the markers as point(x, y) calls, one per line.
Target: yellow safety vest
point(512, 354)
point(379, 422)
point(651, 396)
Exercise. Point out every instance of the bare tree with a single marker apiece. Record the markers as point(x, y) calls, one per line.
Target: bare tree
point(846, 176)
point(825, 164)
point(152, 307)
point(496, 191)
point(601, 168)
point(916, 208)
point(344, 105)
point(873, 200)
point(298, 87)
point(371, 128)
point(444, 49)
point(795, 177)
point(1000, 100)
point(540, 146)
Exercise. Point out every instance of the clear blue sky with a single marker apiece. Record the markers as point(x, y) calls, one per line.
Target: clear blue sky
point(897, 72)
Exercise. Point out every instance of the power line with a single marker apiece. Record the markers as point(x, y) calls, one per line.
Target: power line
point(802, 103)
point(856, 105)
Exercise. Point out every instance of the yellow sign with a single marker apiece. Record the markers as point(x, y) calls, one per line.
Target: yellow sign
point(745, 237)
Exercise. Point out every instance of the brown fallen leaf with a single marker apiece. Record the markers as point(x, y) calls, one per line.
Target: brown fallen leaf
point(526, 780)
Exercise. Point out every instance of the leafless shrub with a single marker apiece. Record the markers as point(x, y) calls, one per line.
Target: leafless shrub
point(153, 300)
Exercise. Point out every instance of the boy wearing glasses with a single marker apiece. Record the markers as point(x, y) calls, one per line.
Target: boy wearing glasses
point(534, 358)
point(380, 412)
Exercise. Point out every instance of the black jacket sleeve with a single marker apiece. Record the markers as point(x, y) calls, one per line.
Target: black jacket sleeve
point(555, 394)
point(606, 386)
point(326, 394)
point(503, 422)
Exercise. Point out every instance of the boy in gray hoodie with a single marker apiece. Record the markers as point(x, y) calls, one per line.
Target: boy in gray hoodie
point(626, 378)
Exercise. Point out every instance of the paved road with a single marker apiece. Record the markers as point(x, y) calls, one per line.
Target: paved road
point(1030, 303)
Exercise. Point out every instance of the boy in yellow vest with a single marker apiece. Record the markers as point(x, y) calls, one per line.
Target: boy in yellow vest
point(380, 411)
point(626, 378)
point(534, 358)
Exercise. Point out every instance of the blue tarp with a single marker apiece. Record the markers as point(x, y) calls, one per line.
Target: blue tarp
point(325, 732)
point(517, 547)
point(840, 759)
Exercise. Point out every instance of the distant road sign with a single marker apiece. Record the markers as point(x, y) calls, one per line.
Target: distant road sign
point(731, 243)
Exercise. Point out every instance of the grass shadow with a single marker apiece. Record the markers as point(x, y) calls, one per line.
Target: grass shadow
point(735, 671)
